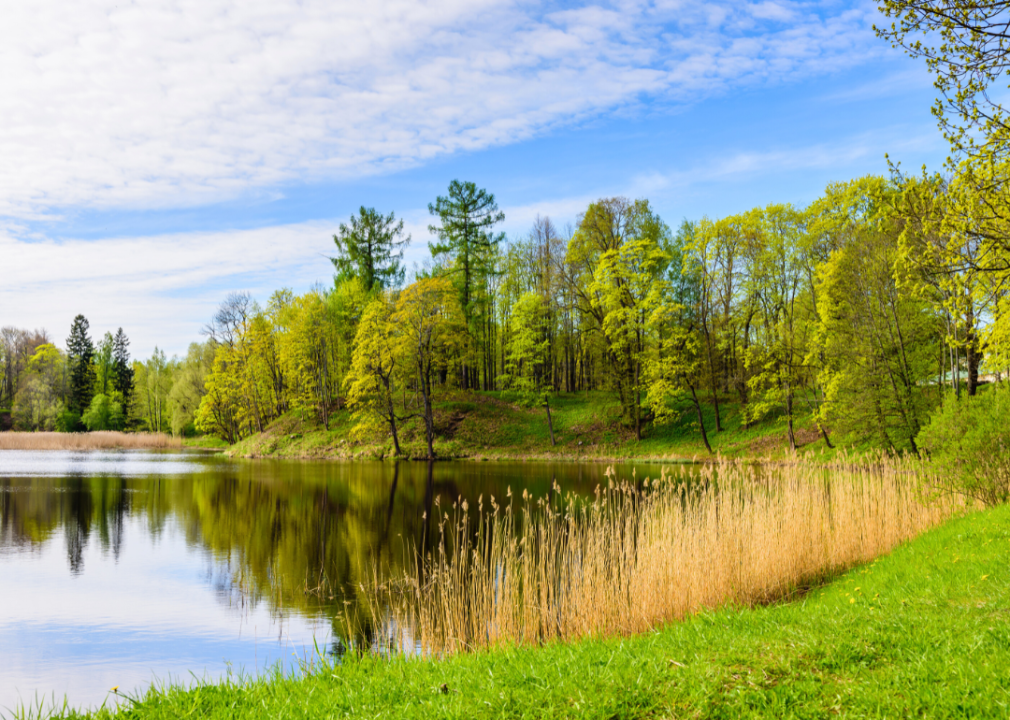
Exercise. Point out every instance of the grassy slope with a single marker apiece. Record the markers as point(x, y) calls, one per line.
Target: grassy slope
point(923, 632)
point(482, 425)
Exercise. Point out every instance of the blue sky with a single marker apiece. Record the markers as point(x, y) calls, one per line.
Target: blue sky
point(158, 156)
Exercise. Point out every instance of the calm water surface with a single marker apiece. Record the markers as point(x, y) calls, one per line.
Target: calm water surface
point(121, 568)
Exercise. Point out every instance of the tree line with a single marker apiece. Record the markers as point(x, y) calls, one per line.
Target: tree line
point(860, 310)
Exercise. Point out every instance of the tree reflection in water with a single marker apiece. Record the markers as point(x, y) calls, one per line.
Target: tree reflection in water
point(298, 537)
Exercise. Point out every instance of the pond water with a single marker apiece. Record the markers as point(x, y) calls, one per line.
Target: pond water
point(126, 568)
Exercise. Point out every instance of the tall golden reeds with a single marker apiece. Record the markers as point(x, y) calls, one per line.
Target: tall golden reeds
point(645, 553)
point(86, 441)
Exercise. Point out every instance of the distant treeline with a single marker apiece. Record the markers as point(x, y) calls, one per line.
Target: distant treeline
point(859, 308)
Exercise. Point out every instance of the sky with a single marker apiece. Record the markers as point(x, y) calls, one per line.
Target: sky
point(158, 155)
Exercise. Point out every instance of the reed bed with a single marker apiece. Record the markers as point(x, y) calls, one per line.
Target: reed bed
point(86, 441)
point(642, 554)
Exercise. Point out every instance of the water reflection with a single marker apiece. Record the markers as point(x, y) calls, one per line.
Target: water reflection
point(144, 564)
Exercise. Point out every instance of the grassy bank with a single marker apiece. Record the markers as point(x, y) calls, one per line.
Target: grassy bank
point(586, 426)
point(922, 632)
point(87, 441)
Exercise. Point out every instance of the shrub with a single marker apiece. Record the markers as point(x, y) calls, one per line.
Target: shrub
point(969, 441)
point(68, 421)
point(104, 414)
point(35, 406)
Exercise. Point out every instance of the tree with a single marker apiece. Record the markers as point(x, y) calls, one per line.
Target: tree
point(152, 383)
point(104, 365)
point(371, 248)
point(624, 245)
point(428, 315)
point(371, 382)
point(80, 352)
point(39, 400)
point(878, 338)
point(527, 357)
point(122, 368)
point(467, 216)
point(966, 45)
point(189, 386)
point(777, 264)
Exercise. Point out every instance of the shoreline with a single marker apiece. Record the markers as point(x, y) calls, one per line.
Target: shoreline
point(870, 641)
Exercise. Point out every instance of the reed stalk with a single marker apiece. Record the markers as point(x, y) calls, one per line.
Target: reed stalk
point(86, 441)
point(642, 554)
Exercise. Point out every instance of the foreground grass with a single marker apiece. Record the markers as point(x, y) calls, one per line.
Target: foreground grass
point(586, 427)
point(922, 632)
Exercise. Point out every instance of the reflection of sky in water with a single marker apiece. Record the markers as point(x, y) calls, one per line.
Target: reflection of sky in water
point(125, 463)
point(162, 609)
point(117, 568)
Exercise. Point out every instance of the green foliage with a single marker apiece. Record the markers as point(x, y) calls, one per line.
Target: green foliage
point(965, 46)
point(188, 387)
point(969, 439)
point(526, 378)
point(104, 371)
point(36, 406)
point(878, 341)
point(104, 413)
point(68, 421)
point(376, 369)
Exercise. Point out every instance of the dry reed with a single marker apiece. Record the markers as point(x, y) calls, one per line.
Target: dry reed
point(86, 441)
point(643, 554)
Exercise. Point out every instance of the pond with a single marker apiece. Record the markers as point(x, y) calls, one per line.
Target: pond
point(126, 568)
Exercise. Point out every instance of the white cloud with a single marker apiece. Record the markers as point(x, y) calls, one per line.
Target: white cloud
point(154, 104)
point(162, 289)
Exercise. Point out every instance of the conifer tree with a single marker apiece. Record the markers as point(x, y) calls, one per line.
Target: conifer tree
point(371, 248)
point(467, 216)
point(80, 351)
point(122, 367)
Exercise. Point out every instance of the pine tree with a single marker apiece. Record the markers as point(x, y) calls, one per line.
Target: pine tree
point(80, 351)
point(465, 235)
point(371, 248)
point(122, 367)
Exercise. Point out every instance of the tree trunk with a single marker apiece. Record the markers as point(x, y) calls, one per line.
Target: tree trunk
point(824, 434)
point(550, 425)
point(789, 420)
point(701, 420)
point(396, 440)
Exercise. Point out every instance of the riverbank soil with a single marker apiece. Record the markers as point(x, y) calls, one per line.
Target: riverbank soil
point(923, 632)
point(587, 426)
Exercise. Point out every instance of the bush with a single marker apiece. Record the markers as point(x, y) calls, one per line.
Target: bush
point(969, 441)
point(35, 406)
point(104, 414)
point(68, 421)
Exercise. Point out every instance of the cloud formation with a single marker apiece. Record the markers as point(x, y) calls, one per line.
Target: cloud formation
point(112, 104)
point(160, 289)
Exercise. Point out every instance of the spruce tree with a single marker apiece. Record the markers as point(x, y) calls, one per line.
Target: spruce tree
point(123, 369)
point(80, 351)
point(371, 248)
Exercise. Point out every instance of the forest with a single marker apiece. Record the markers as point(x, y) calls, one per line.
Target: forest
point(864, 310)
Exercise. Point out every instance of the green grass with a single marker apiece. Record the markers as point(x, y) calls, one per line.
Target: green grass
point(487, 426)
point(205, 442)
point(924, 632)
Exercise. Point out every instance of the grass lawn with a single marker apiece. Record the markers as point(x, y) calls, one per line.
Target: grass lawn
point(924, 632)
